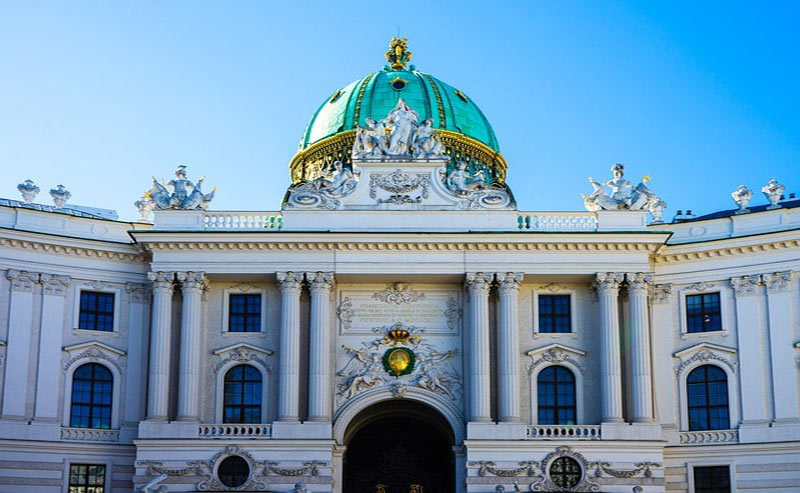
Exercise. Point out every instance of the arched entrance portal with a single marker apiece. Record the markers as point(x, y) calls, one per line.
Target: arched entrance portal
point(399, 446)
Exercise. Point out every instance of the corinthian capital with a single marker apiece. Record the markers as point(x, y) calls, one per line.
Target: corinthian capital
point(746, 285)
point(638, 281)
point(608, 281)
point(778, 282)
point(161, 281)
point(192, 281)
point(289, 281)
point(661, 293)
point(478, 282)
point(508, 282)
point(22, 280)
point(319, 281)
point(54, 285)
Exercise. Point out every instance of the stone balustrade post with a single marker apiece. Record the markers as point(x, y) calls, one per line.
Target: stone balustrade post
point(192, 286)
point(641, 378)
point(160, 342)
point(508, 351)
point(478, 284)
point(290, 284)
point(607, 285)
point(319, 359)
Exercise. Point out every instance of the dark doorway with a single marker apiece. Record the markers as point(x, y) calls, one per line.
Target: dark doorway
point(399, 447)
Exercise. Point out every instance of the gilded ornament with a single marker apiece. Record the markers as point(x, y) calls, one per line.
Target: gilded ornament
point(398, 55)
point(398, 361)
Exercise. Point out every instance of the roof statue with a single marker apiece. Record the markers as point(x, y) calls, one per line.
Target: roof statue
point(476, 188)
point(742, 196)
point(325, 190)
point(773, 191)
point(398, 55)
point(185, 195)
point(398, 135)
point(623, 195)
point(60, 196)
point(28, 190)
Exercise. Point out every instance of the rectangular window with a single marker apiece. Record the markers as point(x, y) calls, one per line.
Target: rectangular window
point(554, 313)
point(244, 313)
point(97, 311)
point(703, 313)
point(712, 479)
point(87, 478)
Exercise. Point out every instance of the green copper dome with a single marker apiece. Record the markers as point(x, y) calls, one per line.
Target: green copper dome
point(463, 130)
point(377, 93)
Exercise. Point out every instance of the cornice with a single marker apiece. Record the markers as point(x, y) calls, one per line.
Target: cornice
point(73, 247)
point(725, 248)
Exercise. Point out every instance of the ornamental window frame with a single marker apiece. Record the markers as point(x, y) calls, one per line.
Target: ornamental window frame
point(226, 306)
point(243, 406)
point(555, 289)
point(689, 360)
point(575, 394)
point(568, 361)
point(96, 287)
point(95, 353)
point(725, 293)
point(711, 462)
point(257, 361)
point(86, 460)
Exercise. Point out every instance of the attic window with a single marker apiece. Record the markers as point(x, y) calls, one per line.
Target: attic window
point(398, 84)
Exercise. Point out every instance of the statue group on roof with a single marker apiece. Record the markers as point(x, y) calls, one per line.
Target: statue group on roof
point(400, 134)
point(624, 196)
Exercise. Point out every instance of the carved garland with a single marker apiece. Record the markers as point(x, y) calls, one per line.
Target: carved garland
point(640, 468)
point(94, 354)
point(310, 468)
point(527, 468)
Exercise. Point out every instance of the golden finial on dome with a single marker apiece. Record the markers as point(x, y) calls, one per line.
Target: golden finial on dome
point(398, 54)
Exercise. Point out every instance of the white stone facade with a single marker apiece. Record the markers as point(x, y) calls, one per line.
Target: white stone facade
point(464, 283)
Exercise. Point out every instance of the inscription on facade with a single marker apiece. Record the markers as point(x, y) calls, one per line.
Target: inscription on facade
point(438, 311)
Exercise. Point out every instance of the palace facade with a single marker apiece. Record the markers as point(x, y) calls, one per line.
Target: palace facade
point(400, 326)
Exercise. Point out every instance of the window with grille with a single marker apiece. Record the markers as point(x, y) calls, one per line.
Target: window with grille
point(244, 313)
point(712, 479)
point(554, 313)
point(707, 392)
point(242, 395)
point(703, 313)
point(96, 311)
point(92, 386)
point(556, 396)
point(87, 478)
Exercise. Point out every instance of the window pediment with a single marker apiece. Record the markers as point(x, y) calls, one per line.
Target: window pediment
point(93, 351)
point(705, 352)
point(555, 353)
point(242, 352)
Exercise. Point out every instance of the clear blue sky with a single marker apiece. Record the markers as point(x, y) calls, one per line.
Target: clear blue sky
point(100, 95)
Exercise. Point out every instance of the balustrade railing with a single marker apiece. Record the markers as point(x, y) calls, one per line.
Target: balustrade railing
point(89, 435)
point(557, 221)
point(235, 431)
point(243, 220)
point(564, 432)
point(711, 437)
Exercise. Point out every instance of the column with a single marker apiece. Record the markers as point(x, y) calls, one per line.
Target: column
point(290, 284)
point(20, 319)
point(641, 378)
point(48, 380)
point(750, 334)
point(663, 324)
point(319, 357)
point(611, 375)
point(136, 375)
point(479, 405)
point(160, 328)
point(192, 286)
point(508, 351)
point(779, 305)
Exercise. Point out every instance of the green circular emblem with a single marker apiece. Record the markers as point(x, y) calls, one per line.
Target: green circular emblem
point(398, 361)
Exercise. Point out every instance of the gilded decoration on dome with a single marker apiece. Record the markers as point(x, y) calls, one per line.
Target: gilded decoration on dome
point(398, 55)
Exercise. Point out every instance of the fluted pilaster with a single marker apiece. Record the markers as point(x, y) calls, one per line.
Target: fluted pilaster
point(641, 378)
point(479, 404)
point(290, 284)
point(508, 384)
point(319, 361)
point(160, 329)
point(607, 285)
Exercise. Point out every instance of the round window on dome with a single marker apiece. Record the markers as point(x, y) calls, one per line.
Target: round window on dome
point(398, 84)
point(565, 472)
point(233, 471)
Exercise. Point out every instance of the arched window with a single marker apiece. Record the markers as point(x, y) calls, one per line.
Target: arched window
point(707, 389)
point(92, 386)
point(556, 396)
point(242, 402)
